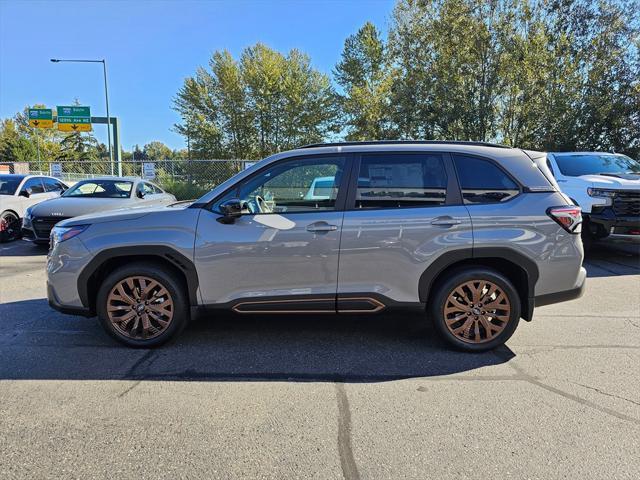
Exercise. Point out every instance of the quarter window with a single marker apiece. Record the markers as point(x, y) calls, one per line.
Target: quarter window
point(401, 181)
point(483, 182)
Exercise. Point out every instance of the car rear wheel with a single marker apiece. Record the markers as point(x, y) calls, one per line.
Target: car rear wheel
point(9, 226)
point(475, 309)
point(142, 305)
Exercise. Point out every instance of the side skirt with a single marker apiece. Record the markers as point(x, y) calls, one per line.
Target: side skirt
point(314, 304)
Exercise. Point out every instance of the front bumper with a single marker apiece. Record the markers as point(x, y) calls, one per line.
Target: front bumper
point(68, 310)
point(30, 236)
point(612, 224)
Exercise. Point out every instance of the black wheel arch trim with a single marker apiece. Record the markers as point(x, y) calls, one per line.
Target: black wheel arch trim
point(450, 258)
point(163, 252)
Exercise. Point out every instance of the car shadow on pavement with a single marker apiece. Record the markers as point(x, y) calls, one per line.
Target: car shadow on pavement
point(22, 248)
point(38, 343)
point(608, 258)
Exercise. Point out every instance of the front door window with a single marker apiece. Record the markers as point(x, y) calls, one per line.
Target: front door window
point(296, 186)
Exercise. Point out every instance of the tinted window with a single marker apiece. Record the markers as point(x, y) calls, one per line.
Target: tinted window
point(33, 185)
point(52, 185)
point(483, 182)
point(550, 167)
point(145, 188)
point(574, 165)
point(290, 187)
point(401, 180)
point(100, 189)
point(9, 184)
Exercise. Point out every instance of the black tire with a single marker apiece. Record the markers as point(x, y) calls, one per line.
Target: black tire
point(10, 226)
point(167, 279)
point(440, 297)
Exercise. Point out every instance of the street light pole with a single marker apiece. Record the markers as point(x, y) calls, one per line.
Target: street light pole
point(106, 97)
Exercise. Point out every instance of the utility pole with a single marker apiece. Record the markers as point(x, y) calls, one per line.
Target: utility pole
point(106, 97)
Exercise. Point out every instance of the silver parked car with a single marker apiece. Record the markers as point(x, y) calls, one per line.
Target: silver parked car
point(96, 195)
point(19, 192)
point(474, 235)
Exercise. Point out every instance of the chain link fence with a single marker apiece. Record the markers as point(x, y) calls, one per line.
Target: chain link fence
point(186, 179)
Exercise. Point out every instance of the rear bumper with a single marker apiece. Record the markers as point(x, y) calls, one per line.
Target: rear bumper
point(66, 309)
point(566, 295)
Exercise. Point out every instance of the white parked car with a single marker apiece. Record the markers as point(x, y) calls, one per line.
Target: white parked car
point(17, 193)
point(607, 188)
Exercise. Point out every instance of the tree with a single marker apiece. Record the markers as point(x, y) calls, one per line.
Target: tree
point(157, 151)
point(449, 57)
point(263, 103)
point(366, 79)
point(13, 146)
point(78, 147)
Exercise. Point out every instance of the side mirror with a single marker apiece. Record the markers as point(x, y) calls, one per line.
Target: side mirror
point(24, 193)
point(140, 194)
point(231, 209)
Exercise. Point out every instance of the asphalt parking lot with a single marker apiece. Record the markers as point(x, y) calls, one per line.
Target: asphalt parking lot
point(322, 397)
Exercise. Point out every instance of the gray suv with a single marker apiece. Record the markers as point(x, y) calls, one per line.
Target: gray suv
point(474, 235)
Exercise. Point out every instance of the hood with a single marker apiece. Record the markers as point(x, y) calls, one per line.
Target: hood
point(72, 207)
point(616, 181)
point(115, 215)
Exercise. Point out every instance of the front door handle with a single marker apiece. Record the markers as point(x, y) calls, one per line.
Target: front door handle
point(445, 221)
point(319, 227)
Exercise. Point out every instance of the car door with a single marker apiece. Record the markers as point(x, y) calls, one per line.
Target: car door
point(281, 254)
point(404, 211)
point(36, 193)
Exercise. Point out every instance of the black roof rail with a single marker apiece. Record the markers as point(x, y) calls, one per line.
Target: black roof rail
point(401, 142)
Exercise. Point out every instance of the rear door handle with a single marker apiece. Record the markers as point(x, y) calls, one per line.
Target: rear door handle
point(445, 221)
point(319, 227)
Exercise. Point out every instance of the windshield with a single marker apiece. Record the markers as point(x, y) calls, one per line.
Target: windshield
point(9, 184)
point(100, 189)
point(574, 165)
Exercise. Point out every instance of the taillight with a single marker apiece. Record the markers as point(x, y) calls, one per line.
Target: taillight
point(569, 218)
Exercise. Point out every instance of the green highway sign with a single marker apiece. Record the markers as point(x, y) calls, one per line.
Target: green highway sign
point(74, 119)
point(41, 118)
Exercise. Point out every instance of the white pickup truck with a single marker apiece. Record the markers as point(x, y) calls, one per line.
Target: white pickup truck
point(607, 188)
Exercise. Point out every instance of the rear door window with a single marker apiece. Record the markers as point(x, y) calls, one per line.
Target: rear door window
point(481, 181)
point(398, 180)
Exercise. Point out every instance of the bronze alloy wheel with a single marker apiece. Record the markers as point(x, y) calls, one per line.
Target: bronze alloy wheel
point(140, 308)
point(477, 311)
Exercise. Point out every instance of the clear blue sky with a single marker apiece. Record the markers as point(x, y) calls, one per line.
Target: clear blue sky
point(151, 46)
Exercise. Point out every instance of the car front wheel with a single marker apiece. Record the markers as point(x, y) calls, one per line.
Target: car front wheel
point(142, 305)
point(475, 309)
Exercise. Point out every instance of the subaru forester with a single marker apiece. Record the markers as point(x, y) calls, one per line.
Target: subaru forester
point(473, 235)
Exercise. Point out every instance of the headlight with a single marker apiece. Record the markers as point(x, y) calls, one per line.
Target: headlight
point(60, 234)
point(28, 213)
point(600, 192)
point(607, 195)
